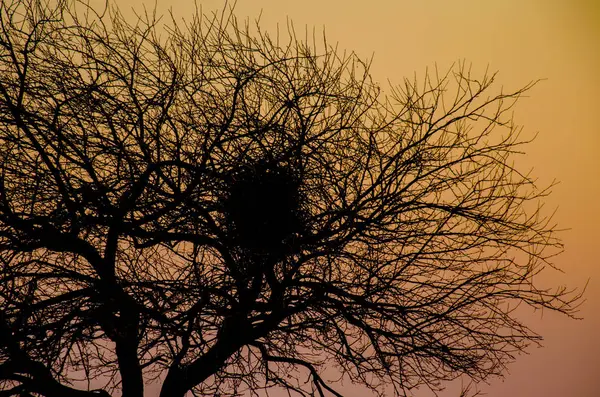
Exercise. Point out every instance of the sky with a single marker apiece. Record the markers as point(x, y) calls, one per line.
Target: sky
point(558, 41)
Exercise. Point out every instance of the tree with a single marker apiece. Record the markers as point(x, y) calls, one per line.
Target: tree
point(203, 205)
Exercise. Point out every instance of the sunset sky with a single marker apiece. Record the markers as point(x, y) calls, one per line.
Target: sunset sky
point(524, 40)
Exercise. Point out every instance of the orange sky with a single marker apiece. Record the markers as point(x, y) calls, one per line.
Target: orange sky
point(524, 41)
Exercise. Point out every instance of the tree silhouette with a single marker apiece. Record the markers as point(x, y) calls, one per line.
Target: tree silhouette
point(210, 207)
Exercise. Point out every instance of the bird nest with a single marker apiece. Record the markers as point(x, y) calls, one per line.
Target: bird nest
point(262, 209)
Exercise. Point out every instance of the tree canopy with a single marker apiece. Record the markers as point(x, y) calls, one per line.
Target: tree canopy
point(225, 211)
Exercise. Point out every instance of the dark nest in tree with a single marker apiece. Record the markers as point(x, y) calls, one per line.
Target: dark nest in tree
point(262, 209)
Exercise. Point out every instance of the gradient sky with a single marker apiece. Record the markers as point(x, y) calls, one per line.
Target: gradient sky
point(524, 40)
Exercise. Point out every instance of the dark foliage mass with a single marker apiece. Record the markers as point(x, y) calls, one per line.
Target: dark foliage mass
point(225, 212)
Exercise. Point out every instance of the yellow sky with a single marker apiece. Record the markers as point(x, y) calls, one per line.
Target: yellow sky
point(524, 41)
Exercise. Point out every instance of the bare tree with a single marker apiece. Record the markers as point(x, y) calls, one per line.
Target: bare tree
point(226, 212)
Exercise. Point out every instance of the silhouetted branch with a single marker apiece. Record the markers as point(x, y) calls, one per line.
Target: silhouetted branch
point(201, 204)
